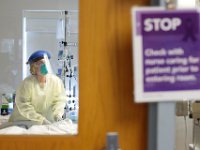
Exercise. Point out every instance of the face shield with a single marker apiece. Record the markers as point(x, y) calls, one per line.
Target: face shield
point(40, 63)
point(46, 67)
point(43, 66)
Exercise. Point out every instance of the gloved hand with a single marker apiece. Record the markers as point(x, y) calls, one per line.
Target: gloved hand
point(46, 122)
point(58, 118)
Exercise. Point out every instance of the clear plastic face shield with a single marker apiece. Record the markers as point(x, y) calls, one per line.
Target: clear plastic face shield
point(41, 66)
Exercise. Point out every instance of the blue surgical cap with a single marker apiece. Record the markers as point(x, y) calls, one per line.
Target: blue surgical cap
point(37, 56)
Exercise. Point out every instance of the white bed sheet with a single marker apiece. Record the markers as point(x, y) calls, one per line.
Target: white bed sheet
point(64, 127)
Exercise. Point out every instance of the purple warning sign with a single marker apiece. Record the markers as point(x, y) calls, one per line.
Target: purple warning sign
point(170, 50)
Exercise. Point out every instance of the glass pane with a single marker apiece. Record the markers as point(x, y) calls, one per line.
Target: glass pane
point(28, 107)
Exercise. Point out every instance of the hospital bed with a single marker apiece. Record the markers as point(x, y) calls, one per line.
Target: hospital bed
point(63, 127)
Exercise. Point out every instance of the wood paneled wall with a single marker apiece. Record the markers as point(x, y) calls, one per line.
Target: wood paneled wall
point(106, 84)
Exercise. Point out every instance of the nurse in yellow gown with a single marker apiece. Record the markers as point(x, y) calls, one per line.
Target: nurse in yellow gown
point(41, 97)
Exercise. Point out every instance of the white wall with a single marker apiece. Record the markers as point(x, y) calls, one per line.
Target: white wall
point(11, 36)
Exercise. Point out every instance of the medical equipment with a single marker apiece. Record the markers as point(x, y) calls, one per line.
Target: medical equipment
point(6, 103)
point(182, 108)
point(191, 110)
point(68, 65)
point(69, 76)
